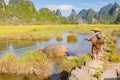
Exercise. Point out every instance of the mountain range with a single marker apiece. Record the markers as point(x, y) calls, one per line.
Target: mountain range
point(23, 12)
point(107, 14)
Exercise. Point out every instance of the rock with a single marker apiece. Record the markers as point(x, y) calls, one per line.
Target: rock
point(109, 74)
point(89, 70)
point(117, 68)
point(85, 68)
point(98, 65)
point(56, 51)
point(79, 74)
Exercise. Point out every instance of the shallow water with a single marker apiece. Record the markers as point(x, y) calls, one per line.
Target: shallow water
point(79, 48)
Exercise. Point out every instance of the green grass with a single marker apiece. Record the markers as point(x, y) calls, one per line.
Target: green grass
point(59, 38)
point(111, 42)
point(72, 38)
point(38, 60)
point(39, 32)
point(68, 64)
point(31, 63)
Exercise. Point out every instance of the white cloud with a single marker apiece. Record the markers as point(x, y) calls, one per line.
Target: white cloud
point(6, 1)
point(62, 7)
point(65, 8)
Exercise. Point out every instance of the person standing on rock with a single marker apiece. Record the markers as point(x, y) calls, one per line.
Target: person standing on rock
point(97, 41)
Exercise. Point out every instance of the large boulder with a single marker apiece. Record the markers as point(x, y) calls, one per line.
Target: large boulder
point(56, 51)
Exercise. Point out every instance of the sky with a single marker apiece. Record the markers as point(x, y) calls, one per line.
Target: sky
point(67, 5)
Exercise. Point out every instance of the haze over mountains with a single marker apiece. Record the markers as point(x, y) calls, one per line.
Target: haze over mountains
point(23, 12)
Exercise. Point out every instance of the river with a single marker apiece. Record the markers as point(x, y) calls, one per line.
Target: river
point(78, 48)
point(20, 48)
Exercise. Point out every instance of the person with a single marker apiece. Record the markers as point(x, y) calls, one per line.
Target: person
point(97, 41)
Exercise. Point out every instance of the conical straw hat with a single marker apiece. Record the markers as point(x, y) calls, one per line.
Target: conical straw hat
point(96, 29)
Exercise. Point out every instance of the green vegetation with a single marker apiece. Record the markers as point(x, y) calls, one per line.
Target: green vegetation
point(99, 75)
point(31, 63)
point(37, 62)
point(90, 16)
point(59, 38)
point(23, 12)
point(118, 19)
point(69, 64)
point(113, 56)
point(45, 32)
point(111, 43)
point(72, 38)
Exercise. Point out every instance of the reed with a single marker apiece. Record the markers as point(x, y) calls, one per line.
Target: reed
point(31, 63)
point(69, 64)
point(59, 38)
point(72, 38)
point(38, 32)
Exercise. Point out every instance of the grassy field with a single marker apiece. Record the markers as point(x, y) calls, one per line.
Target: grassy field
point(36, 59)
point(38, 32)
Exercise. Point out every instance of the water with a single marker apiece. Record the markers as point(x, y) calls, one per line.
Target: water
point(79, 48)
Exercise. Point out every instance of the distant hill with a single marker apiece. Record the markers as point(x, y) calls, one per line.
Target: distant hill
point(58, 13)
point(107, 14)
point(23, 12)
point(90, 16)
point(117, 21)
point(75, 18)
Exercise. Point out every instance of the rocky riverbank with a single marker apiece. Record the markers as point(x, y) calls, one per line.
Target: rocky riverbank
point(96, 70)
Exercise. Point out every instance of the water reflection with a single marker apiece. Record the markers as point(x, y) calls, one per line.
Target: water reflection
point(11, 49)
point(78, 48)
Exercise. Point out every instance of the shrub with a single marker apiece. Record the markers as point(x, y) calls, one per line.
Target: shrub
point(114, 57)
point(111, 41)
point(31, 63)
point(59, 38)
point(68, 64)
point(9, 63)
point(38, 62)
point(72, 38)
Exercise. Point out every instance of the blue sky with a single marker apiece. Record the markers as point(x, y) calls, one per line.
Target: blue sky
point(67, 5)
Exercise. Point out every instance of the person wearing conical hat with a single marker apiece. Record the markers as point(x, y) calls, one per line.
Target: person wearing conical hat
point(97, 41)
point(96, 30)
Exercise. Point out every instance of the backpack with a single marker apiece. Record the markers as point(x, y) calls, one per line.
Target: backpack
point(98, 38)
